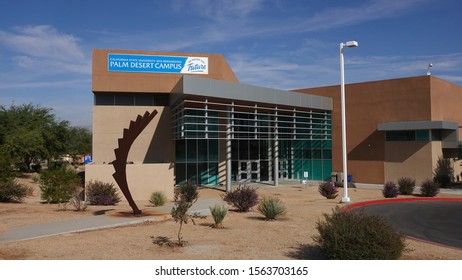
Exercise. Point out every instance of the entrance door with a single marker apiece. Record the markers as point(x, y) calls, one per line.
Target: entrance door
point(249, 171)
point(283, 169)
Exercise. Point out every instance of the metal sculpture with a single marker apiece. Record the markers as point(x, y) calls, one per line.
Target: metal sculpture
point(121, 154)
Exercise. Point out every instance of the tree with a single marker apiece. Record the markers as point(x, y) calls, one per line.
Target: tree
point(29, 132)
point(79, 141)
point(185, 197)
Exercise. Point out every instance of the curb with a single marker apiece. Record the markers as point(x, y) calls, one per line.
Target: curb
point(395, 200)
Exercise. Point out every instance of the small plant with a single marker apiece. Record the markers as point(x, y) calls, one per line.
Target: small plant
point(429, 188)
point(11, 191)
point(328, 189)
point(100, 193)
point(348, 235)
point(58, 185)
point(77, 200)
point(157, 199)
point(243, 198)
point(390, 190)
point(406, 185)
point(271, 207)
point(185, 197)
point(218, 212)
point(444, 171)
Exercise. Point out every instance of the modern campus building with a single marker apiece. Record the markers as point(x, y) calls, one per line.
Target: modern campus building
point(212, 130)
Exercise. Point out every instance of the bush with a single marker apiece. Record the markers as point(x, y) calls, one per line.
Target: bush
point(157, 198)
point(390, 190)
point(271, 207)
point(100, 193)
point(429, 188)
point(58, 185)
point(328, 189)
point(218, 212)
point(347, 235)
point(443, 172)
point(406, 185)
point(11, 191)
point(243, 198)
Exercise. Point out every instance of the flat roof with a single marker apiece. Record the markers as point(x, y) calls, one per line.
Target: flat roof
point(235, 91)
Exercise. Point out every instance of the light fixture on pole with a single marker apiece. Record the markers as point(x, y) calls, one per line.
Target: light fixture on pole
point(349, 44)
point(428, 69)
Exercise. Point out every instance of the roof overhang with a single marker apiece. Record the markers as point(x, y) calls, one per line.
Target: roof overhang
point(417, 125)
point(450, 138)
point(235, 91)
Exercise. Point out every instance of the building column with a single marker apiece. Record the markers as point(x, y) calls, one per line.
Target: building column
point(276, 149)
point(229, 125)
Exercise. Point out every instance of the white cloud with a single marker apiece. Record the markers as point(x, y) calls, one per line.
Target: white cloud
point(42, 41)
point(220, 10)
point(44, 50)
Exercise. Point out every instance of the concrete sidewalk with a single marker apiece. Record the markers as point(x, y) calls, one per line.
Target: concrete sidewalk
point(86, 223)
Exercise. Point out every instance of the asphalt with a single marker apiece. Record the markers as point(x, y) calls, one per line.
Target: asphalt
point(95, 222)
point(435, 221)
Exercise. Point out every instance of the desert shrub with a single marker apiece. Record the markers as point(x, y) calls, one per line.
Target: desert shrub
point(100, 193)
point(443, 172)
point(429, 188)
point(390, 190)
point(12, 191)
point(158, 199)
point(58, 185)
point(328, 189)
point(406, 185)
point(347, 235)
point(218, 212)
point(243, 198)
point(271, 207)
point(185, 196)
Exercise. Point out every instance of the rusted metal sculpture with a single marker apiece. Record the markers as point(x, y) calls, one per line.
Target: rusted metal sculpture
point(121, 154)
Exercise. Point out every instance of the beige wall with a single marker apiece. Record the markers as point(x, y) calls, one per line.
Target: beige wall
point(153, 145)
point(410, 159)
point(143, 179)
point(152, 152)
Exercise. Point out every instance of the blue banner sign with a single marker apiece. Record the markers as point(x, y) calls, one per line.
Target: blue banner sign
point(157, 64)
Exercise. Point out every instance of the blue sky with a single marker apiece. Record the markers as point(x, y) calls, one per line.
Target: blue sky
point(45, 46)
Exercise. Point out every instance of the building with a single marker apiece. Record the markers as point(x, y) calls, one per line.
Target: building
point(396, 128)
point(210, 129)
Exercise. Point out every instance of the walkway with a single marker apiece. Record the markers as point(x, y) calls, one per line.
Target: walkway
point(96, 222)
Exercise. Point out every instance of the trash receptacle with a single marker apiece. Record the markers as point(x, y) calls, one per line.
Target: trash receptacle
point(333, 177)
point(350, 178)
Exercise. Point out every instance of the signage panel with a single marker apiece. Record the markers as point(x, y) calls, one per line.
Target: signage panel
point(157, 64)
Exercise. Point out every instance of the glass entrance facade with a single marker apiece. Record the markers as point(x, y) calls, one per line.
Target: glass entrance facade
point(299, 139)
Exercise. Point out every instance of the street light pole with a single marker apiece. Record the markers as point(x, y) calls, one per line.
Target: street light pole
point(350, 44)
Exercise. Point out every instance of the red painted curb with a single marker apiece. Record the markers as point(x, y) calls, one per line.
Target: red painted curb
point(393, 200)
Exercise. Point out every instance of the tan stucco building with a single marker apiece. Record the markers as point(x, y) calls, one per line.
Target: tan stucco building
point(212, 130)
point(396, 128)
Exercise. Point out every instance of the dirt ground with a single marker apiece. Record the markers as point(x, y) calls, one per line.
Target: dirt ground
point(244, 236)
